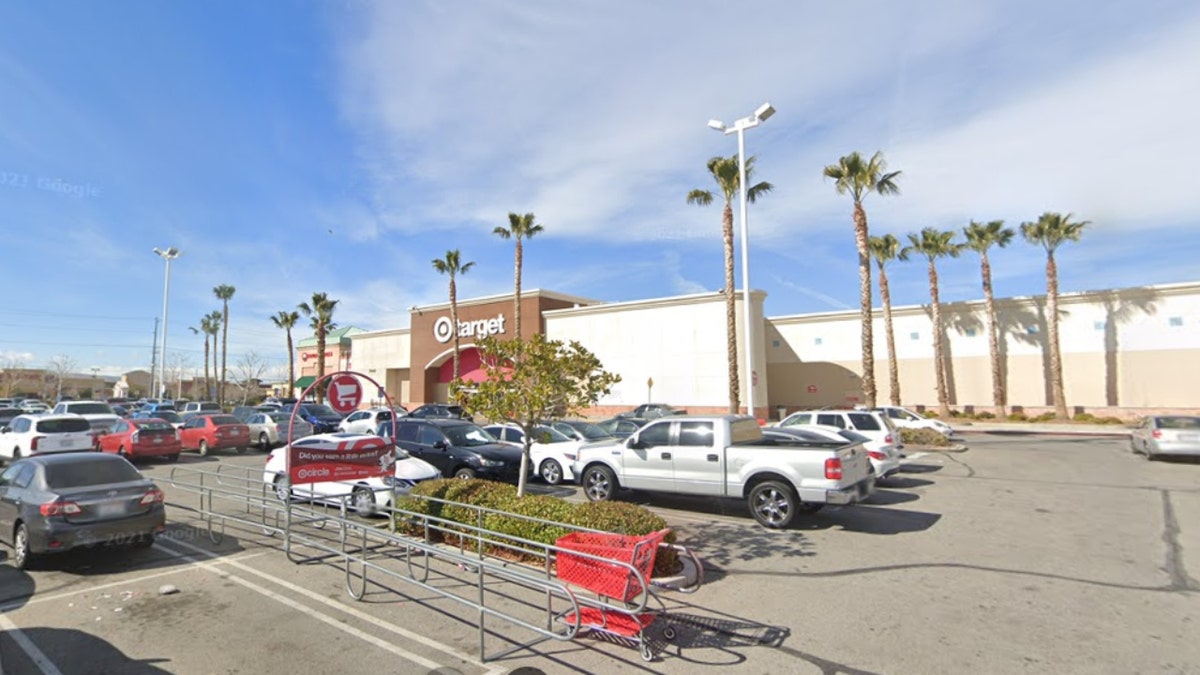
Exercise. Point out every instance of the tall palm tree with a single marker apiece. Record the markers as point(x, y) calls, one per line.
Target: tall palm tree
point(859, 177)
point(884, 250)
point(286, 321)
point(519, 227)
point(210, 326)
point(1050, 231)
point(224, 293)
point(453, 266)
point(725, 171)
point(933, 244)
point(321, 312)
point(198, 331)
point(981, 237)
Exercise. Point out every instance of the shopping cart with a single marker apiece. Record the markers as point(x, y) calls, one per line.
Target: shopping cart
point(617, 569)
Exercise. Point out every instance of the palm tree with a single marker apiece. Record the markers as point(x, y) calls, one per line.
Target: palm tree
point(210, 326)
point(1052, 230)
point(452, 265)
point(981, 237)
point(224, 293)
point(886, 249)
point(933, 244)
point(286, 321)
point(321, 310)
point(861, 177)
point(725, 171)
point(198, 331)
point(519, 227)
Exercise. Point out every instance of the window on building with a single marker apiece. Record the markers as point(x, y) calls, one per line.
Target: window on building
point(914, 336)
point(1031, 330)
point(970, 332)
point(774, 343)
point(817, 341)
point(1098, 325)
point(1175, 322)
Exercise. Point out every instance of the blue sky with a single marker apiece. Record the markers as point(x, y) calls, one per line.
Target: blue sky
point(294, 147)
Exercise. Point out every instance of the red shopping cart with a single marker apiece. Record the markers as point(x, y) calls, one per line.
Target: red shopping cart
point(615, 567)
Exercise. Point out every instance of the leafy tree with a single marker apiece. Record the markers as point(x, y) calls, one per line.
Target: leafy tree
point(1052, 230)
point(453, 266)
point(933, 244)
point(533, 380)
point(981, 237)
point(321, 312)
point(858, 177)
point(884, 250)
point(286, 321)
point(519, 227)
point(224, 293)
point(726, 172)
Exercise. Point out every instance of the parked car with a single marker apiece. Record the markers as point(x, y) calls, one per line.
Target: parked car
point(29, 435)
point(652, 411)
point(244, 412)
point(55, 503)
point(622, 427)
point(199, 406)
point(903, 418)
point(157, 405)
point(8, 414)
point(208, 431)
point(885, 448)
point(367, 421)
point(145, 437)
point(458, 448)
point(99, 414)
point(324, 419)
point(34, 407)
point(551, 453)
point(169, 416)
point(582, 430)
point(889, 463)
point(269, 429)
point(1160, 435)
point(365, 495)
point(442, 411)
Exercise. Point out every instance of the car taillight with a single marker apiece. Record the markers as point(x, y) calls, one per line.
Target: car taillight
point(1157, 433)
point(875, 454)
point(33, 443)
point(154, 496)
point(833, 468)
point(60, 508)
point(178, 437)
point(133, 438)
point(888, 439)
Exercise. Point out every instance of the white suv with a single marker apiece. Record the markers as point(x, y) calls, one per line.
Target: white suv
point(907, 419)
point(885, 445)
point(28, 435)
point(98, 413)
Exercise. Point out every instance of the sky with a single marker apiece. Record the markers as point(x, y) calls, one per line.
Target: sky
point(302, 146)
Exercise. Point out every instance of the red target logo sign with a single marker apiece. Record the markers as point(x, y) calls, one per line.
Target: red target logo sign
point(345, 393)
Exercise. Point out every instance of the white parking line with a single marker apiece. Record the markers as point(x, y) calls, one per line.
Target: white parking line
point(39, 659)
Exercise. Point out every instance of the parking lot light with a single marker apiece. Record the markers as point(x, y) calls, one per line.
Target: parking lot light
point(167, 255)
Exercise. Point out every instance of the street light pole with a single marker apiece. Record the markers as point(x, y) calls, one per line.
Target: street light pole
point(763, 112)
point(168, 255)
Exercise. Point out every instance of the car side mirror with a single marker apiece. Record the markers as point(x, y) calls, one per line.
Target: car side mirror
point(634, 443)
point(440, 445)
point(5, 430)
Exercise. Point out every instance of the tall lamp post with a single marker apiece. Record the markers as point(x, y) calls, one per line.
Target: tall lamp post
point(739, 127)
point(168, 255)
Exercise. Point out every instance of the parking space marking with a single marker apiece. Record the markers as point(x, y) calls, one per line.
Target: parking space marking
point(39, 659)
point(373, 620)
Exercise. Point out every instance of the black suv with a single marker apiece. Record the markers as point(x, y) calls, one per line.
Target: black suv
point(459, 449)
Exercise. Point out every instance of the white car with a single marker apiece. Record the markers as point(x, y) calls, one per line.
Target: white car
point(367, 421)
point(907, 419)
point(366, 495)
point(33, 407)
point(98, 413)
point(28, 435)
point(885, 445)
point(552, 453)
point(270, 429)
point(885, 458)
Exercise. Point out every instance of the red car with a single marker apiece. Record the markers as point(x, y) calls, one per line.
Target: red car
point(144, 437)
point(214, 432)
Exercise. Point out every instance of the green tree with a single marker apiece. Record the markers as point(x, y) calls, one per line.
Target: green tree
point(224, 293)
point(286, 321)
point(320, 311)
point(859, 177)
point(519, 228)
point(726, 172)
point(981, 237)
point(933, 244)
point(884, 250)
point(530, 381)
point(1050, 231)
point(210, 325)
point(452, 266)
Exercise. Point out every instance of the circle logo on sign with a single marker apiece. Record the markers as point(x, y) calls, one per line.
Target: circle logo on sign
point(443, 329)
point(345, 393)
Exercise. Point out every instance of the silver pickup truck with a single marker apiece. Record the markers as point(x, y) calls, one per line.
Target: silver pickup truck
point(727, 456)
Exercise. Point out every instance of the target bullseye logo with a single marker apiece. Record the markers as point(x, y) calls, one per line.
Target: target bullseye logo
point(443, 329)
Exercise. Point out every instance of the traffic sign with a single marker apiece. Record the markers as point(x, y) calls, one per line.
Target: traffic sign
point(345, 393)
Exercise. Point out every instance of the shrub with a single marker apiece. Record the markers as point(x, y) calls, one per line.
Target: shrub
point(985, 415)
point(1018, 417)
point(930, 414)
point(1110, 420)
point(955, 413)
point(1044, 417)
point(923, 437)
point(1084, 417)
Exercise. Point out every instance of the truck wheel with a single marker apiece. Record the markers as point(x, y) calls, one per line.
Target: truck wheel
point(599, 483)
point(773, 504)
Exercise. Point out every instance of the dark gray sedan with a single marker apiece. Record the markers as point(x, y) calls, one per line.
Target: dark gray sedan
point(53, 503)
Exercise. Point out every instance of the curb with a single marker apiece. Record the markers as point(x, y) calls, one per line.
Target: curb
point(1046, 432)
point(957, 447)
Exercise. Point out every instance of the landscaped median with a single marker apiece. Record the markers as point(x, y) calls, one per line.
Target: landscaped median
point(928, 440)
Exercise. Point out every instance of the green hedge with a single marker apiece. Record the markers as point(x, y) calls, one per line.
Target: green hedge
point(617, 517)
point(924, 437)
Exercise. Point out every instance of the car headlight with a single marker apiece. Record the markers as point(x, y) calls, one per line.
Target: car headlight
point(484, 461)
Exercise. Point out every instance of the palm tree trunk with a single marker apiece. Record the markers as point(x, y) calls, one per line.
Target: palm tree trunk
point(864, 291)
point(207, 389)
point(291, 388)
point(893, 368)
point(224, 352)
point(998, 394)
point(454, 324)
point(730, 311)
point(320, 360)
point(520, 259)
point(939, 367)
point(1056, 369)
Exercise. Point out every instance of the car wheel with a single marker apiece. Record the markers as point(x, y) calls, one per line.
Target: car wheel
point(241, 449)
point(363, 501)
point(1149, 454)
point(123, 452)
point(16, 454)
point(264, 442)
point(203, 447)
point(773, 504)
point(465, 472)
point(144, 541)
point(599, 483)
point(174, 457)
point(551, 472)
point(22, 558)
point(282, 492)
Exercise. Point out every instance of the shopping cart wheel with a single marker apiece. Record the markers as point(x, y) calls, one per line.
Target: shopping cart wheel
point(669, 633)
point(644, 648)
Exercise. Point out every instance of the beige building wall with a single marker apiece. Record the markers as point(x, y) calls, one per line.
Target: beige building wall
point(384, 356)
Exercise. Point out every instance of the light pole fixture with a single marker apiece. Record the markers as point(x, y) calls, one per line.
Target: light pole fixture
point(168, 255)
point(739, 127)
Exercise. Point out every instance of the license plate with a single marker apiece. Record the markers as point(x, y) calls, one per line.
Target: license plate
point(110, 510)
point(158, 439)
point(1189, 437)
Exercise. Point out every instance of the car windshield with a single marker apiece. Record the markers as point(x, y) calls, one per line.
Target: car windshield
point(545, 434)
point(467, 435)
point(168, 415)
point(63, 426)
point(93, 471)
point(280, 418)
point(590, 431)
point(90, 408)
point(319, 410)
point(222, 420)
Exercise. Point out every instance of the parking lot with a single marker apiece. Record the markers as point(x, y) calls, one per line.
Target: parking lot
point(1026, 553)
